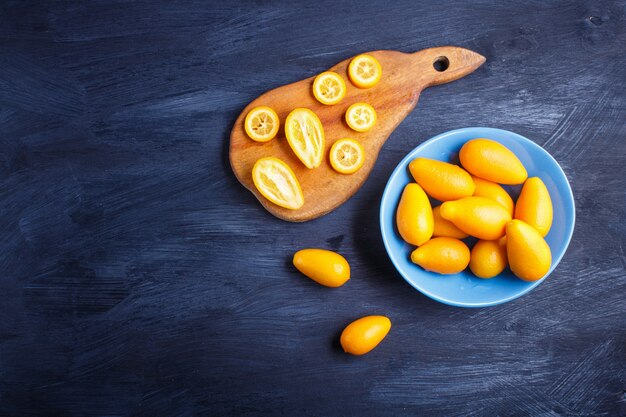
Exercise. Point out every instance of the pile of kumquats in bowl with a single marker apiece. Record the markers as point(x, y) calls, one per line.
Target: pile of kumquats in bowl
point(477, 217)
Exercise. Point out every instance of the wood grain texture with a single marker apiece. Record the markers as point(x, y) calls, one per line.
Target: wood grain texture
point(140, 279)
point(393, 98)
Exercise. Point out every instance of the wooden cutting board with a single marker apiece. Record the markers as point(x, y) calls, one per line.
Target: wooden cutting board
point(393, 98)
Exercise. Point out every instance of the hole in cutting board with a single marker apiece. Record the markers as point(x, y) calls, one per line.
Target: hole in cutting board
point(441, 64)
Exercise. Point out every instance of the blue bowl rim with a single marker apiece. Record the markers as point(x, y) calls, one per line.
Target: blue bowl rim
point(404, 161)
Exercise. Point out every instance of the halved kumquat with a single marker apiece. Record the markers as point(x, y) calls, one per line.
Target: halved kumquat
point(365, 71)
point(305, 134)
point(347, 156)
point(261, 124)
point(277, 182)
point(329, 88)
point(361, 117)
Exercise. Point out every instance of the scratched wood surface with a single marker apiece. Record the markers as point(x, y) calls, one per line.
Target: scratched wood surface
point(138, 277)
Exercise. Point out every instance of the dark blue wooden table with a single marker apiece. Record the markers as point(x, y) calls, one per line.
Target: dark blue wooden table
point(139, 278)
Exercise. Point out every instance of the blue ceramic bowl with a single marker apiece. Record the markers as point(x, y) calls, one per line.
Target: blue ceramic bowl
point(465, 289)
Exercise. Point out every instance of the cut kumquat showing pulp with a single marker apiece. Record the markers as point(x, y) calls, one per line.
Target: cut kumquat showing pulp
point(347, 156)
point(365, 71)
point(305, 134)
point(361, 117)
point(277, 182)
point(261, 124)
point(329, 88)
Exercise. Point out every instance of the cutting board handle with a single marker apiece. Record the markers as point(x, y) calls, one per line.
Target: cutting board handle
point(445, 63)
